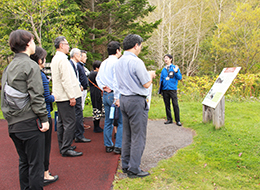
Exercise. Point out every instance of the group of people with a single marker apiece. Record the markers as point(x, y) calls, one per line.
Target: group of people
point(68, 82)
point(122, 81)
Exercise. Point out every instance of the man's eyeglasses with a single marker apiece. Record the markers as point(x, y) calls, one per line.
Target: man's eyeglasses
point(66, 44)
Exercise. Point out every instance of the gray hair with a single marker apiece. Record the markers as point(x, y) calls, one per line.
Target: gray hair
point(58, 40)
point(74, 51)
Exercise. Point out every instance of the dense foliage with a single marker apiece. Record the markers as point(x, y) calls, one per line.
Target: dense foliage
point(87, 24)
point(196, 88)
point(243, 86)
point(203, 36)
point(238, 44)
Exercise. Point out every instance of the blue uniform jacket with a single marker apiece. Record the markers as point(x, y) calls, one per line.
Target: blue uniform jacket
point(48, 97)
point(172, 83)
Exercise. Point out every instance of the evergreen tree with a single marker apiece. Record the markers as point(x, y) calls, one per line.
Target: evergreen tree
point(105, 21)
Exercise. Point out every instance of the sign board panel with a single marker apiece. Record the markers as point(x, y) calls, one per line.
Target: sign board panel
point(220, 86)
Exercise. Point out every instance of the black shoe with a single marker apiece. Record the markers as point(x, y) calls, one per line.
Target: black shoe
point(72, 148)
point(117, 150)
point(141, 174)
point(109, 149)
point(178, 123)
point(72, 153)
point(98, 130)
point(125, 170)
point(83, 140)
point(168, 122)
point(49, 181)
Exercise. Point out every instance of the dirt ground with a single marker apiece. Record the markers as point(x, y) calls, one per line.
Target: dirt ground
point(162, 142)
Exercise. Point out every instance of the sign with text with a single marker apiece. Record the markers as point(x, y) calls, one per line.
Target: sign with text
point(220, 86)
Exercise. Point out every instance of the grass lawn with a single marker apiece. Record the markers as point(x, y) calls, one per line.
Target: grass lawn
point(217, 159)
point(87, 112)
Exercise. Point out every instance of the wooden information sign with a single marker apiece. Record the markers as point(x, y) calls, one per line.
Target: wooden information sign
point(214, 102)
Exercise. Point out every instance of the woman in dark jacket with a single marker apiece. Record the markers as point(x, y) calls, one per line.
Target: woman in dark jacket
point(39, 57)
point(96, 97)
point(23, 106)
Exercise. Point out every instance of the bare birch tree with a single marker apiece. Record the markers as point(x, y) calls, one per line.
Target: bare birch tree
point(185, 24)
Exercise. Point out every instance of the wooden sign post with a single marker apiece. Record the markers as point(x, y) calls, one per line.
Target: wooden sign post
point(217, 115)
point(214, 102)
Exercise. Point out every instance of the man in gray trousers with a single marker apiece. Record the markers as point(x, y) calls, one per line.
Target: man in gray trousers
point(65, 87)
point(133, 83)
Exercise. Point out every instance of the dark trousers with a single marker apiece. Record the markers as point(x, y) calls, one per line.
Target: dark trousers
point(47, 146)
point(135, 114)
point(30, 148)
point(65, 125)
point(167, 96)
point(79, 119)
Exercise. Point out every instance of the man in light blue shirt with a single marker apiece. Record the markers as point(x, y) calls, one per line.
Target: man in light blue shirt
point(133, 81)
point(107, 82)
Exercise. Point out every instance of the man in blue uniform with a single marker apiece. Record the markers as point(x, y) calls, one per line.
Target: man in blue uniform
point(170, 76)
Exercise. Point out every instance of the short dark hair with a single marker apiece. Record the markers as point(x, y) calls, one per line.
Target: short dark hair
point(83, 51)
point(168, 55)
point(40, 53)
point(58, 41)
point(96, 64)
point(19, 39)
point(130, 41)
point(112, 47)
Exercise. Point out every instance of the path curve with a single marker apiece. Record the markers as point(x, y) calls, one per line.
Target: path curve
point(162, 142)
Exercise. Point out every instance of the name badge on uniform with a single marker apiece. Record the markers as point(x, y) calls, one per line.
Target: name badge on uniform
point(167, 78)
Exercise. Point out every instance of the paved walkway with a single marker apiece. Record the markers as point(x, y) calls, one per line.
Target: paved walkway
point(162, 142)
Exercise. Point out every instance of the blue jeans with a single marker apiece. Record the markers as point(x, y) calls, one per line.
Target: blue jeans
point(108, 99)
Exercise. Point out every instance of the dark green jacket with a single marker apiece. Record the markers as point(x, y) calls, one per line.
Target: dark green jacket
point(24, 75)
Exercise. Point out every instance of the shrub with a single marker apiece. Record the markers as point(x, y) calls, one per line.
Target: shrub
point(244, 86)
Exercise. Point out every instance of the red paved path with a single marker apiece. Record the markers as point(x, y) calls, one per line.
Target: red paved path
point(94, 170)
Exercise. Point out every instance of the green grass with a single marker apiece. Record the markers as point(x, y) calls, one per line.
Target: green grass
point(212, 161)
point(87, 112)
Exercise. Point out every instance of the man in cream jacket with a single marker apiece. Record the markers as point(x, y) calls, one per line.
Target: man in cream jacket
point(66, 89)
